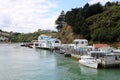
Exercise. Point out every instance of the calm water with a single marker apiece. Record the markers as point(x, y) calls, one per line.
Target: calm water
point(21, 63)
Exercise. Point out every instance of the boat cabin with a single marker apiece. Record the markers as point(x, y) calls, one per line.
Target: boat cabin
point(80, 42)
point(43, 37)
point(54, 43)
point(46, 42)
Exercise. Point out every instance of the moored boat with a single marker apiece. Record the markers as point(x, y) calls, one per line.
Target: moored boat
point(22, 44)
point(88, 61)
point(46, 42)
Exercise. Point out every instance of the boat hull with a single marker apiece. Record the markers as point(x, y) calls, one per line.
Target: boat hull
point(89, 64)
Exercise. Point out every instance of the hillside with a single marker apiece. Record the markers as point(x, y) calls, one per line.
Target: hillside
point(26, 37)
point(103, 27)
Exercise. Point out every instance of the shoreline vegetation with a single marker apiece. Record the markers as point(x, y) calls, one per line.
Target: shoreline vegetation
point(96, 23)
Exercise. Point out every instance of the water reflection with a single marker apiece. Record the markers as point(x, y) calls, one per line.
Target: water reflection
point(21, 63)
point(44, 53)
point(87, 71)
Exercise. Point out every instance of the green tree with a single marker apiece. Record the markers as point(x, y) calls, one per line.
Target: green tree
point(96, 9)
point(0, 30)
point(108, 4)
point(60, 21)
point(86, 10)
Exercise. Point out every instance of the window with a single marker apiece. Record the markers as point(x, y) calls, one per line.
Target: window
point(82, 42)
point(56, 41)
point(76, 42)
point(36, 44)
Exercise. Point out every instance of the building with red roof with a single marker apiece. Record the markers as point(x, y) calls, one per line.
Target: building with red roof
point(97, 46)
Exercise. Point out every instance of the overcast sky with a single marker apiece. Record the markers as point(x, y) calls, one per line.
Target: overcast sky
point(31, 15)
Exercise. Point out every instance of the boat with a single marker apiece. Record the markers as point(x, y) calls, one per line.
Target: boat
point(30, 45)
point(88, 61)
point(46, 42)
point(22, 44)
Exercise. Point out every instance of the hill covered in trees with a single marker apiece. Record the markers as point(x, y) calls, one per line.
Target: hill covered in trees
point(27, 37)
point(95, 22)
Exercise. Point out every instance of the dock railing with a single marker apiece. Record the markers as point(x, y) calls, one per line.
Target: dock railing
point(73, 51)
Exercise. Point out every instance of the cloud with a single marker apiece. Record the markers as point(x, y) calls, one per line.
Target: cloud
point(101, 1)
point(27, 15)
point(5, 21)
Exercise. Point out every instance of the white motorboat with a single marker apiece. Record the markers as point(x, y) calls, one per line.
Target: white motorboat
point(88, 61)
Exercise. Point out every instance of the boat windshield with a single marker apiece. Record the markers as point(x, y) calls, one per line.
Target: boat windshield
point(91, 58)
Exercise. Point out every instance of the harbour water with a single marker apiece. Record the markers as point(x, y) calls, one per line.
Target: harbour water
point(22, 63)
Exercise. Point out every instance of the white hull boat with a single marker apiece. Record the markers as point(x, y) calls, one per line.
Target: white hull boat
point(88, 61)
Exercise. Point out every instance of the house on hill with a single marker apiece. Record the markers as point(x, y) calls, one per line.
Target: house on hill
point(4, 37)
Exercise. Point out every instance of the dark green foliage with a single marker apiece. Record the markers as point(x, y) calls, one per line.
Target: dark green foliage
point(77, 18)
point(95, 9)
point(108, 4)
point(96, 22)
point(86, 10)
point(60, 21)
point(89, 10)
point(105, 26)
point(0, 30)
